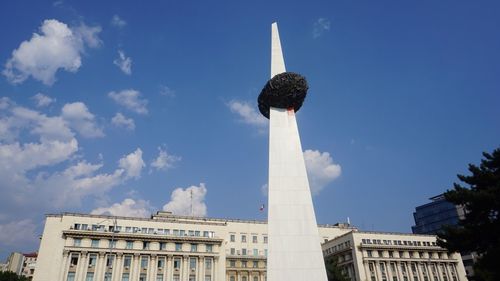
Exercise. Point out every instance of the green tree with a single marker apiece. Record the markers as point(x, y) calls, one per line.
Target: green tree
point(333, 270)
point(11, 276)
point(479, 231)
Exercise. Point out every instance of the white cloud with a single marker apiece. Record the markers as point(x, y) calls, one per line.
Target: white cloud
point(118, 22)
point(166, 91)
point(124, 62)
point(56, 47)
point(248, 113)
point(78, 117)
point(22, 231)
point(120, 120)
point(70, 186)
point(39, 175)
point(321, 169)
point(42, 100)
point(132, 164)
point(321, 25)
point(189, 201)
point(164, 161)
point(127, 208)
point(130, 99)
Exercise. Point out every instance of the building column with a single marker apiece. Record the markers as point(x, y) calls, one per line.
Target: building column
point(199, 268)
point(185, 268)
point(215, 268)
point(135, 267)
point(153, 267)
point(99, 270)
point(64, 266)
point(169, 269)
point(400, 272)
point(82, 267)
point(117, 267)
point(388, 271)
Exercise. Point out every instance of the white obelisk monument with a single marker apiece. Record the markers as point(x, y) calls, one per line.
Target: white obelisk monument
point(294, 252)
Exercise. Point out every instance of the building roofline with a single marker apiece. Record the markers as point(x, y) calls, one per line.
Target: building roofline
point(395, 233)
point(169, 217)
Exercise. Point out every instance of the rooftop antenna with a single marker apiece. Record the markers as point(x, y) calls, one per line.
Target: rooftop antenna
point(348, 221)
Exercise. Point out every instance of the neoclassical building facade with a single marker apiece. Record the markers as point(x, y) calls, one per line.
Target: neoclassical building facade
point(165, 247)
point(381, 256)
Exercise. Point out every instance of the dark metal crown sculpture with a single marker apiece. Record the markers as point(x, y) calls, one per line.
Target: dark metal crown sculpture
point(284, 90)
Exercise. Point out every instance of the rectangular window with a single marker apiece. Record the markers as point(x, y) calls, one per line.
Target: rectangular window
point(205, 233)
point(191, 232)
point(161, 263)
point(125, 277)
point(209, 248)
point(244, 264)
point(159, 277)
point(192, 263)
point(77, 242)
point(232, 238)
point(92, 259)
point(254, 238)
point(196, 233)
point(194, 248)
point(369, 253)
point(142, 277)
point(145, 245)
point(163, 246)
point(208, 278)
point(177, 278)
point(233, 251)
point(112, 244)
point(232, 263)
point(265, 252)
point(255, 252)
point(90, 276)
point(177, 263)
point(178, 247)
point(74, 259)
point(85, 226)
point(130, 245)
point(109, 260)
point(255, 264)
point(265, 239)
point(95, 243)
point(127, 260)
point(176, 232)
point(182, 233)
point(244, 251)
point(71, 276)
point(243, 238)
point(208, 264)
point(144, 262)
point(128, 229)
point(107, 276)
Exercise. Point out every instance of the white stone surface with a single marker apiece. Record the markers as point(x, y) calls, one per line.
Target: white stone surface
point(294, 244)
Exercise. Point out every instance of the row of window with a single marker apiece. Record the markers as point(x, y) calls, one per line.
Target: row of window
point(129, 244)
point(126, 277)
point(427, 271)
point(144, 230)
point(144, 261)
point(244, 264)
point(397, 242)
point(232, 238)
point(245, 252)
point(404, 254)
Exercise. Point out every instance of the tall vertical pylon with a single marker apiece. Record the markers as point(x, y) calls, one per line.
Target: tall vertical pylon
point(294, 250)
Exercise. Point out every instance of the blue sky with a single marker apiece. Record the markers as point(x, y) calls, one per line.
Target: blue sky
point(128, 107)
